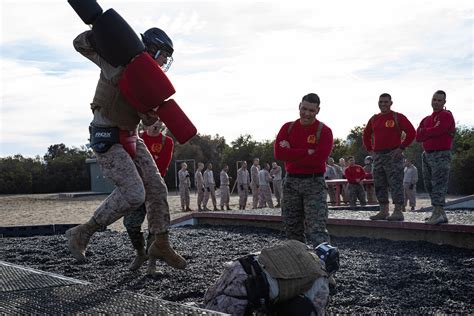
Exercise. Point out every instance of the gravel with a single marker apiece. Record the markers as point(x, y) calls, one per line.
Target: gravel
point(376, 276)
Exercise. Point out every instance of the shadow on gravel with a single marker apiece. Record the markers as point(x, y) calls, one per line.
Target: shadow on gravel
point(376, 276)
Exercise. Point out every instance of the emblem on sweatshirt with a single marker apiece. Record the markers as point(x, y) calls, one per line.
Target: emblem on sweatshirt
point(311, 139)
point(389, 123)
point(156, 148)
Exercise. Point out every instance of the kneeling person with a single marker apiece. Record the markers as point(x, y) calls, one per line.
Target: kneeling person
point(287, 279)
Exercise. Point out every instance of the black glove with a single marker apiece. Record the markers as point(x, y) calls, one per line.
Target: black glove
point(208, 189)
point(203, 190)
point(187, 176)
point(411, 186)
point(241, 187)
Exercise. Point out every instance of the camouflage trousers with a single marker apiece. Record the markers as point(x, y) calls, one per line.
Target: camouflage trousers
point(225, 195)
point(410, 194)
point(388, 174)
point(137, 181)
point(211, 191)
point(184, 195)
point(277, 190)
point(255, 195)
point(265, 196)
point(370, 192)
point(243, 194)
point(305, 210)
point(133, 221)
point(200, 197)
point(356, 192)
point(436, 167)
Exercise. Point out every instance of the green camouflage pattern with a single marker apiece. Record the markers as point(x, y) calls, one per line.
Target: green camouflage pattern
point(388, 175)
point(305, 210)
point(436, 167)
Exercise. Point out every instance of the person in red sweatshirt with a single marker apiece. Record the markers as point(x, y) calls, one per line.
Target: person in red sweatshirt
point(161, 148)
point(387, 134)
point(304, 146)
point(436, 133)
point(354, 175)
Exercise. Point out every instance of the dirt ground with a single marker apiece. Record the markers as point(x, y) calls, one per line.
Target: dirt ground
point(43, 209)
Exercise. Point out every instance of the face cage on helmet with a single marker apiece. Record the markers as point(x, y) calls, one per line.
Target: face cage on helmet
point(169, 60)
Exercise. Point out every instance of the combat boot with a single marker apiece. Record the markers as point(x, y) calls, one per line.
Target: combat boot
point(228, 207)
point(188, 209)
point(222, 207)
point(382, 214)
point(78, 238)
point(200, 209)
point(216, 209)
point(397, 214)
point(161, 249)
point(438, 216)
point(151, 269)
point(138, 243)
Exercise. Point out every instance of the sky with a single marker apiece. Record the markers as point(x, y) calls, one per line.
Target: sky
point(240, 66)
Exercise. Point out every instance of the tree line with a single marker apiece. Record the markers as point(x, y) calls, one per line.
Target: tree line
point(64, 169)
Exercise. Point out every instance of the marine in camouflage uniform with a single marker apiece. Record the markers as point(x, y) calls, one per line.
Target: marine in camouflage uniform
point(383, 135)
point(210, 188)
point(199, 182)
point(264, 178)
point(243, 179)
point(254, 185)
point(184, 186)
point(225, 188)
point(134, 174)
point(304, 145)
point(277, 182)
point(436, 133)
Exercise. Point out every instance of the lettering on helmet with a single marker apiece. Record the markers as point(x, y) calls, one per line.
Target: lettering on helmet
point(389, 123)
point(103, 134)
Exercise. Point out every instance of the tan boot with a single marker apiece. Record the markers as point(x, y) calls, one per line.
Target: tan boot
point(161, 249)
point(382, 214)
point(78, 238)
point(151, 269)
point(138, 243)
point(438, 216)
point(397, 214)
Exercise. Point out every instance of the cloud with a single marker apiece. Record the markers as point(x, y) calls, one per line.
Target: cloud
point(241, 67)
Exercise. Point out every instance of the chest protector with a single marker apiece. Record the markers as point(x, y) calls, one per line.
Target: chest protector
point(113, 106)
point(294, 267)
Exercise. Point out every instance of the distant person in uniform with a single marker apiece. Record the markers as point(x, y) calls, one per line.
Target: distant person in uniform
point(243, 183)
point(123, 157)
point(184, 187)
point(276, 175)
point(369, 174)
point(304, 145)
point(330, 174)
point(355, 174)
point(210, 188)
point(199, 182)
point(344, 187)
point(225, 188)
point(410, 178)
point(264, 179)
point(254, 182)
point(436, 134)
point(383, 135)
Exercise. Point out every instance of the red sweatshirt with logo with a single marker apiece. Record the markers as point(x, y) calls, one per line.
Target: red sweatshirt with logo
point(301, 138)
point(386, 135)
point(161, 153)
point(436, 131)
point(354, 174)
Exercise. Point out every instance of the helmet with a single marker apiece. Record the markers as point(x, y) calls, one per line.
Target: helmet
point(329, 255)
point(368, 158)
point(156, 42)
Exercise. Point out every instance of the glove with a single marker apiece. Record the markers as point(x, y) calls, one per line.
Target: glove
point(187, 176)
point(411, 186)
point(241, 187)
point(208, 189)
point(203, 190)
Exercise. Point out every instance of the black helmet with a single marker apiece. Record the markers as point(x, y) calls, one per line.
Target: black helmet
point(158, 38)
point(329, 255)
point(157, 42)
